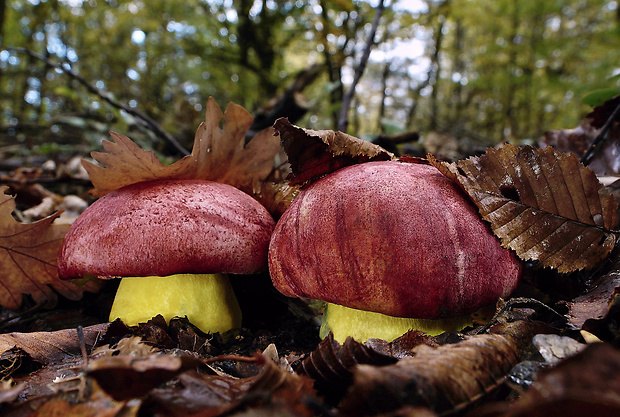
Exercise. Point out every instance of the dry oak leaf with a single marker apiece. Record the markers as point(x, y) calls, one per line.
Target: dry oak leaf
point(316, 153)
point(543, 204)
point(28, 253)
point(219, 154)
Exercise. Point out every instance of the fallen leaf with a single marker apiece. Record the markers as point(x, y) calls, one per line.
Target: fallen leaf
point(98, 404)
point(213, 395)
point(542, 204)
point(28, 253)
point(331, 365)
point(194, 392)
point(587, 383)
point(579, 139)
point(219, 154)
point(124, 376)
point(595, 304)
point(445, 379)
point(51, 347)
point(313, 154)
point(606, 161)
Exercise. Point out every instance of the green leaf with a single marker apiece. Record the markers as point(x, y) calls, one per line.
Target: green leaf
point(598, 97)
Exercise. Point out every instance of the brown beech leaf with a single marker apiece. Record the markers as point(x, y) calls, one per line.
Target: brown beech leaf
point(219, 154)
point(331, 365)
point(445, 379)
point(544, 205)
point(586, 384)
point(313, 154)
point(28, 253)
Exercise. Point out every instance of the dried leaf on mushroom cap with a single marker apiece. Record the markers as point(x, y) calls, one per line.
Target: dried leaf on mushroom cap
point(219, 154)
point(543, 204)
point(313, 154)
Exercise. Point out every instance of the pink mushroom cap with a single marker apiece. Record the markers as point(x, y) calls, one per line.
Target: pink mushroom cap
point(394, 238)
point(166, 227)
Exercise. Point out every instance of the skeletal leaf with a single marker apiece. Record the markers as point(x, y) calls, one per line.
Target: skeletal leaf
point(219, 154)
point(544, 205)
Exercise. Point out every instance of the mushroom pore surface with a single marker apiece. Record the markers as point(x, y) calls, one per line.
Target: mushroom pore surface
point(394, 238)
point(166, 227)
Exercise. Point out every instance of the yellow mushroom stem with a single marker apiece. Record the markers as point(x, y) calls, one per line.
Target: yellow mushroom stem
point(363, 325)
point(207, 300)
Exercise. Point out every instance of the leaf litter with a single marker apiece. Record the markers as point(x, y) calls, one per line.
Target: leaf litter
point(194, 373)
point(28, 253)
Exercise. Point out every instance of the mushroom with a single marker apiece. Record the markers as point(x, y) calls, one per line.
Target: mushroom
point(171, 241)
point(390, 246)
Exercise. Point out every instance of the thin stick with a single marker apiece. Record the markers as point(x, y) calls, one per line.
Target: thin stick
point(80, 333)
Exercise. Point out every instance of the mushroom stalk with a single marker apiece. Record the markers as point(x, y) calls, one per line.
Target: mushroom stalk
point(363, 325)
point(207, 300)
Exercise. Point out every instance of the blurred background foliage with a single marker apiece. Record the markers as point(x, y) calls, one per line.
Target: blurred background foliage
point(483, 71)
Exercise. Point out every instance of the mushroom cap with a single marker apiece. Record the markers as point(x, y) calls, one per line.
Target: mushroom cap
point(166, 227)
point(394, 238)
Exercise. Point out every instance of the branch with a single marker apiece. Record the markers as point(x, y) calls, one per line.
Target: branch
point(343, 119)
point(149, 123)
point(602, 134)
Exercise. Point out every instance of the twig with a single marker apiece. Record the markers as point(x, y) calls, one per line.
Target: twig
point(149, 123)
point(343, 119)
point(80, 333)
point(516, 303)
point(602, 134)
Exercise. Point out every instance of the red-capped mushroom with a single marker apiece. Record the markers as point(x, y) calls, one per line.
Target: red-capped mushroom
point(171, 241)
point(387, 242)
